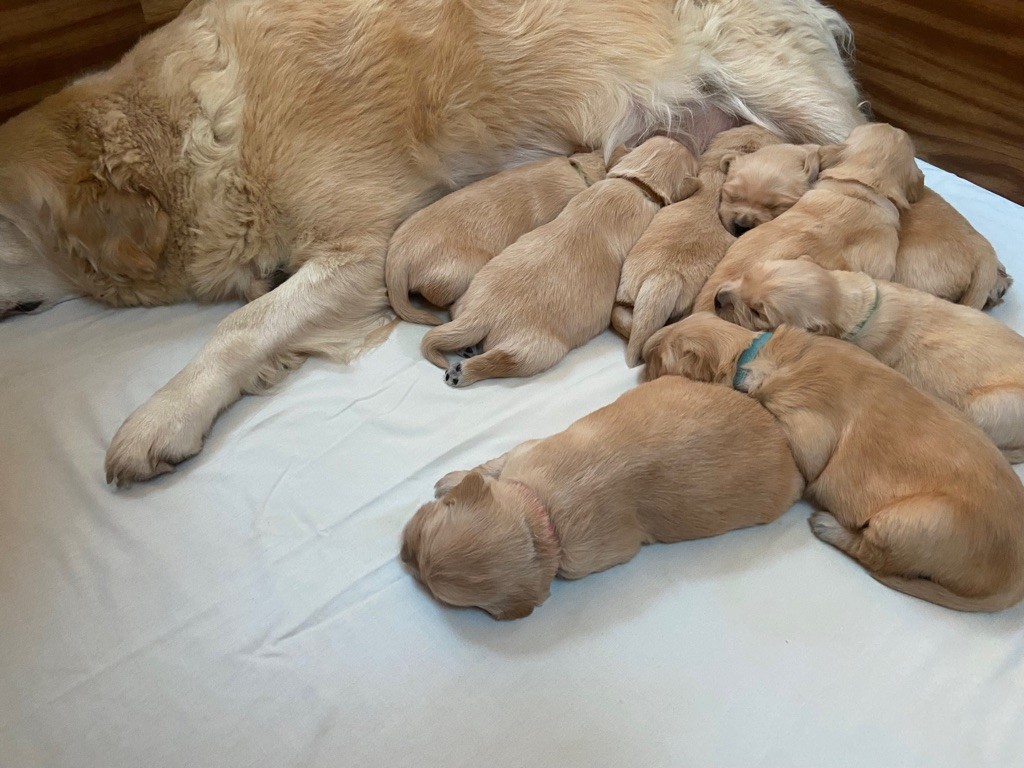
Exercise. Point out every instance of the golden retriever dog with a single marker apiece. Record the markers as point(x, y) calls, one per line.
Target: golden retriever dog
point(849, 220)
point(668, 461)
point(673, 259)
point(939, 251)
point(553, 289)
point(438, 250)
point(956, 353)
point(252, 140)
point(915, 493)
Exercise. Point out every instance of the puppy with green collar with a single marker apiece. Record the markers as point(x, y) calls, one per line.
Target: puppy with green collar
point(913, 491)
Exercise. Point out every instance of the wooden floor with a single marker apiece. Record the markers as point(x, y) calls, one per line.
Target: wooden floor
point(949, 71)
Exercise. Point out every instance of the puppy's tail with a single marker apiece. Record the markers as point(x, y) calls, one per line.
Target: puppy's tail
point(450, 337)
point(933, 592)
point(654, 305)
point(396, 275)
point(622, 320)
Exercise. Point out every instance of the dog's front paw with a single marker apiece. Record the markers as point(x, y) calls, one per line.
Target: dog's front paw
point(453, 376)
point(469, 352)
point(155, 438)
point(449, 481)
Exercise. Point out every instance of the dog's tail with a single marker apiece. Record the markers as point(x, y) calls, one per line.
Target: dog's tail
point(654, 305)
point(622, 320)
point(450, 337)
point(396, 275)
point(933, 592)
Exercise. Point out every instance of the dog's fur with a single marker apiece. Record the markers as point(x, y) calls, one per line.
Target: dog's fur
point(554, 288)
point(914, 492)
point(939, 251)
point(849, 220)
point(956, 353)
point(668, 461)
point(437, 251)
point(673, 259)
point(252, 139)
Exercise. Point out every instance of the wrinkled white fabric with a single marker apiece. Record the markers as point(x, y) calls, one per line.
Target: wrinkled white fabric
point(250, 610)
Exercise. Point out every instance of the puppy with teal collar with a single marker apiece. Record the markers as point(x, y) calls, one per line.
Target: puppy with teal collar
point(956, 353)
point(905, 485)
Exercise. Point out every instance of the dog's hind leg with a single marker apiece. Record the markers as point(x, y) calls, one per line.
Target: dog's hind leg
point(924, 547)
point(503, 363)
point(1000, 414)
point(334, 305)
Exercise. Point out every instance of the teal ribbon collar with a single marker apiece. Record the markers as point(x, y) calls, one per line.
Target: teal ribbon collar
point(871, 312)
point(747, 357)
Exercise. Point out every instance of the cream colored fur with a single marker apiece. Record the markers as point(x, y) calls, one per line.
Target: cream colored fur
point(438, 250)
point(907, 487)
point(849, 220)
point(668, 461)
point(939, 251)
point(553, 289)
point(956, 353)
point(252, 139)
point(675, 255)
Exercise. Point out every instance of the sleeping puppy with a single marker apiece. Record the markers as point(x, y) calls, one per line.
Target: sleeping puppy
point(849, 220)
point(554, 288)
point(667, 461)
point(915, 493)
point(673, 258)
point(956, 353)
point(939, 251)
point(438, 250)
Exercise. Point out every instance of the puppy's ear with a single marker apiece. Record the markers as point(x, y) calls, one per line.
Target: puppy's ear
point(812, 163)
point(411, 535)
point(727, 160)
point(726, 296)
point(915, 190)
point(690, 186)
point(830, 156)
point(118, 232)
point(472, 490)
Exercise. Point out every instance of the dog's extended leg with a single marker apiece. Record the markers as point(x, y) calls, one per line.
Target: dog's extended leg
point(334, 305)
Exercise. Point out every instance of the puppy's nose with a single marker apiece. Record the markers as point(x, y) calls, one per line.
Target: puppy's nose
point(739, 229)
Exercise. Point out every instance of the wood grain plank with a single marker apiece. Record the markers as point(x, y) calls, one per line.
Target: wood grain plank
point(950, 72)
point(159, 11)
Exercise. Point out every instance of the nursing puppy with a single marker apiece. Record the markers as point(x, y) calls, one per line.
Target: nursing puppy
point(667, 461)
point(673, 258)
point(849, 220)
point(915, 493)
point(438, 250)
point(939, 251)
point(956, 353)
point(554, 288)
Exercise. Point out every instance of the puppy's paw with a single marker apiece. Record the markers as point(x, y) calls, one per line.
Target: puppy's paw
point(453, 376)
point(469, 352)
point(152, 441)
point(828, 529)
point(449, 481)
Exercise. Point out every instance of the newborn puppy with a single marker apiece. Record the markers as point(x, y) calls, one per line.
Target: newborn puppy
point(956, 353)
point(849, 220)
point(673, 258)
point(667, 461)
point(439, 249)
point(553, 289)
point(939, 251)
point(916, 494)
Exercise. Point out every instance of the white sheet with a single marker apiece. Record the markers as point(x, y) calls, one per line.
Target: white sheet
point(250, 610)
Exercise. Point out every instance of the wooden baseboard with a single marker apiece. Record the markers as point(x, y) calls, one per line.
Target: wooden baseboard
point(951, 73)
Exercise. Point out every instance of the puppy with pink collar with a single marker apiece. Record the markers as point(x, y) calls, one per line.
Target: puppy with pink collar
point(668, 461)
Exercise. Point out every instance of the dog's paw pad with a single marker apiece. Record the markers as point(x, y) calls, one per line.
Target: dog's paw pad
point(469, 352)
point(453, 375)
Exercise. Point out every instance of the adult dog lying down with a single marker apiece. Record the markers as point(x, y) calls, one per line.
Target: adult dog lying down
point(253, 139)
